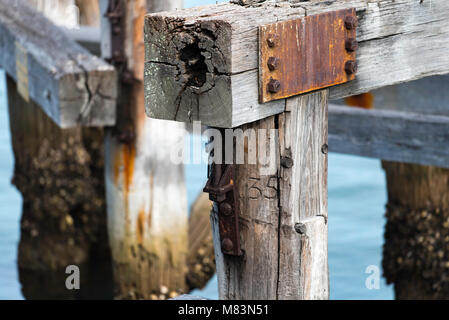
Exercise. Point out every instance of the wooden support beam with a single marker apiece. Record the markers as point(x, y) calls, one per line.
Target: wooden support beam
point(427, 96)
point(88, 37)
point(71, 85)
point(390, 135)
point(202, 63)
point(283, 211)
point(145, 191)
point(200, 259)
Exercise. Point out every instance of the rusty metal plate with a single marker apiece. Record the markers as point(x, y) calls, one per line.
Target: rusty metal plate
point(307, 54)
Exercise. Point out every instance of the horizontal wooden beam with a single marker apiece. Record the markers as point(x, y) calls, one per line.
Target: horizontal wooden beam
point(390, 135)
point(88, 37)
point(425, 96)
point(74, 87)
point(202, 63)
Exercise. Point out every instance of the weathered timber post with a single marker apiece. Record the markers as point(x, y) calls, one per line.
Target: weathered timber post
point(204, 64)
point(89, 12)
point(200, 258)
point(192, 74)
point(415, 255)
point(59, 172)
point(283, 213)
point(146, 196)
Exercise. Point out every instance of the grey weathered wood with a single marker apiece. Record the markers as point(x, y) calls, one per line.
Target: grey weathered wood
point(71, 85)
point(106, 31)
point(279, 262)
point(59, 173)
point(390, 135)
point(87, 37)
point(254, 275)
point(303, 199)
point(424, 96)
point(399, 41)
point(200, 257)
point(145, 189)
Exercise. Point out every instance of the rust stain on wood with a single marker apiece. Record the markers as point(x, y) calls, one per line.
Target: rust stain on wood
point(124, 161)
point(140, 226)
point(307, 54)
point(139, 11)
point(129, 157)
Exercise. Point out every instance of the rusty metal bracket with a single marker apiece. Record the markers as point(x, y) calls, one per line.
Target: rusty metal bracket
point(116, 14)
point(221, 189)
point(307, 54)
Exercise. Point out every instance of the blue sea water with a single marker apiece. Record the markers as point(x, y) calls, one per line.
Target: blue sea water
point(357, 197)
point(10, 207)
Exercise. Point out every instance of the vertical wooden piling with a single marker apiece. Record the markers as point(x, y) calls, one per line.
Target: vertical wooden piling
point(146, 196)
point(59, 173)
point(283, 211)
point(89, 12)
point(200, 258)
point(416, 255)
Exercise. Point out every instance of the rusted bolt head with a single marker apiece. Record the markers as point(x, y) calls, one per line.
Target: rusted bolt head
point(286, 162)
point(272, 40)
point(351, 67)
point(225, 209)
point(274, 85)
point(273, 63)
point(227, 244)
point(351, 44)
point(351, 22)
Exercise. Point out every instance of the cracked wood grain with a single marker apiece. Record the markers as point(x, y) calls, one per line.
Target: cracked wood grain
point(399, 41)
point(72, 86)
point(278, 261)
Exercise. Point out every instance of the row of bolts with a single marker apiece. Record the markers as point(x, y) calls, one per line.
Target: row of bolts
point(351, 45)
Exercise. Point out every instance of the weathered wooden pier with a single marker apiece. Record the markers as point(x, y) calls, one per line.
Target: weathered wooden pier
point(267, 66)
point(249, 65)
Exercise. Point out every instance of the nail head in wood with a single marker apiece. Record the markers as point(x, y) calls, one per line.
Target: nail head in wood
point(300, 228)
point(286, 162)
point(325, 149)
